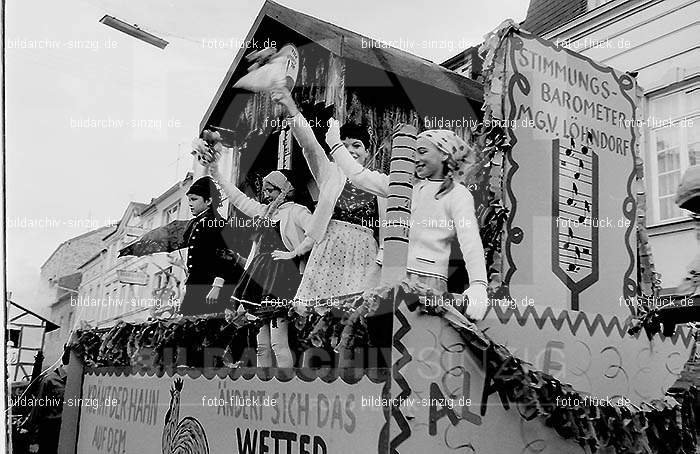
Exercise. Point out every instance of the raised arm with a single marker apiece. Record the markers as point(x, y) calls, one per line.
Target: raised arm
point(241, 201)
point(374, 182)
point(315, 155)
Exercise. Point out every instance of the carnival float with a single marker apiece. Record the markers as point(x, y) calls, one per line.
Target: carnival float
point(570, 357)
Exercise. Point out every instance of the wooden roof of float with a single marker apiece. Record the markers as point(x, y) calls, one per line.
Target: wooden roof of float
point(348, 45)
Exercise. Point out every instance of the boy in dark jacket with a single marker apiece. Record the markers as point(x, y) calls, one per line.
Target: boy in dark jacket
point(213, 268)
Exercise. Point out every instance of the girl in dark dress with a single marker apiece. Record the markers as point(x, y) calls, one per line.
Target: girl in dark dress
point(274, 272)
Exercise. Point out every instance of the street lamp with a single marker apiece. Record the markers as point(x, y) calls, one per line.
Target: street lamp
point(134, 31)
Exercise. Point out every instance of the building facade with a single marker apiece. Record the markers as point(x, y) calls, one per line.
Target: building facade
point(63, 314)
point(54, 279)
point(66, 259)
point(133, 288)
point(86, 282)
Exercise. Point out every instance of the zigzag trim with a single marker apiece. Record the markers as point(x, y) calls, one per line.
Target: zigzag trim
point(280, 374)
point(402, 361)
point(384, 433)
point(504, 314)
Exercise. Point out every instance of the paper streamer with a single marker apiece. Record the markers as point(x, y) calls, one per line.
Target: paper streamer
point(398, 212)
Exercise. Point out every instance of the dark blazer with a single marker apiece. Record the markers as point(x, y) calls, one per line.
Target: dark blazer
point(209, 240)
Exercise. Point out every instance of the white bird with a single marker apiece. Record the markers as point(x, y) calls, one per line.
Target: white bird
point(271, 69)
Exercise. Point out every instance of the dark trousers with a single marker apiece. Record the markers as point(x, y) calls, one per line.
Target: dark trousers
point(379, 330)
point(49, 432)
point(195, 300)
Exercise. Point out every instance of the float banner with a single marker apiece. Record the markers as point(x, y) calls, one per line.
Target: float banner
point(140, 413)
point(571, 236)
point(438, 391)
point(592, 352)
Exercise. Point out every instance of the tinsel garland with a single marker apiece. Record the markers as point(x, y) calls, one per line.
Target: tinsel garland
point(487, 175)
point(156, 343)
point(662, 426)
point(496, 140)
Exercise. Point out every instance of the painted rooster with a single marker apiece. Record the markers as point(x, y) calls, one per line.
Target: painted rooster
point(185, 436)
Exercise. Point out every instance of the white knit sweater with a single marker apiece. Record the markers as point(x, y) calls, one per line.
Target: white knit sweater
point(434, 223)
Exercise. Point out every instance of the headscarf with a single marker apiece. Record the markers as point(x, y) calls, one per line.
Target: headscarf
point(456, 150)
point(281, 182)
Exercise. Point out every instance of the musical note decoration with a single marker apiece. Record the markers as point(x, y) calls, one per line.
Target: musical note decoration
point(574, 215)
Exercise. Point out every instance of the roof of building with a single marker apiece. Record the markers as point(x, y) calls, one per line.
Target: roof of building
point(353, 46)
point(170, 191)
point(542, 16)
point(545, 15)
point(139, 208)
point(102, 251)
point(68, 285)
point(71, 281)
point(23, 312)
point(460, 58)
point(71, 240)
point(133, 207)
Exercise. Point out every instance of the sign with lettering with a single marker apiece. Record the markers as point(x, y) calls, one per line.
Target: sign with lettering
point(571, 237)
point(139, 413)
point(132, 277)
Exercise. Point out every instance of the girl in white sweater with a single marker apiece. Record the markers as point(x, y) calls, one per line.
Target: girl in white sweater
point(440, 211)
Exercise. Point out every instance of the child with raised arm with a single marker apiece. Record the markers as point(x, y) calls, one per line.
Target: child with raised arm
point(440, 211)
point(274, 273)
point(346, 226)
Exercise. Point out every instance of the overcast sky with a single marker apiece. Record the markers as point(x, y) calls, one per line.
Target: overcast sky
point(70, 177)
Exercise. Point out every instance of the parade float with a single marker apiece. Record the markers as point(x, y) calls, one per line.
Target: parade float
point(568, 359)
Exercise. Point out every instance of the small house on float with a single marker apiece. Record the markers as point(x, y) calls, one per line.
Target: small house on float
point(361, 79)
point(341, 74)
